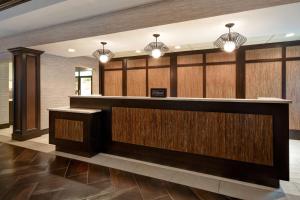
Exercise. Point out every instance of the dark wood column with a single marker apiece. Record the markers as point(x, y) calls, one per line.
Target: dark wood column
point(26, 66)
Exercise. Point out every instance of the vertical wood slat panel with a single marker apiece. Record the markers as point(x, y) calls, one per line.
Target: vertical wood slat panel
point(293, 92)
point(69, 129)
point(165, 60)
point(205, 133)
point(113, 83)
point(136, 82)
point(136, 62)
point(115, 64)
point(221, 81)
point(190, 59)
point(268, 53)
point(190, 81)
point(263, 80)
point(159, 78)
point(220, 57)
point(293, 51)
point(31, 92)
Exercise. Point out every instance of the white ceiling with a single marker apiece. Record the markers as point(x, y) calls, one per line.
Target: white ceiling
point(37, 14)
point(259, 26)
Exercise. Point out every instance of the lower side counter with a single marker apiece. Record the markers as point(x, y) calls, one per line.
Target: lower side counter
point(238, 140)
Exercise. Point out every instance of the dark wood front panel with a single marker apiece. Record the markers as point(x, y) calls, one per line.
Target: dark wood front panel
point(221, 81)
point(136, 82)
point(113, 83)
point(159, 78)
point(242, 137)
point(68, 129)
point(263, 80)
point(293, 92)
point(18, 88)
point(31, 92)
point(190, 81)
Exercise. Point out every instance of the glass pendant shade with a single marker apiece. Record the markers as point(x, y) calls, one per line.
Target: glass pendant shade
point(156, 49)
point(104, 55)
point(230, 41)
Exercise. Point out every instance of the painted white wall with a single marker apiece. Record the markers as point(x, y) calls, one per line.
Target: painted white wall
point(4, 92)
point(58, 81)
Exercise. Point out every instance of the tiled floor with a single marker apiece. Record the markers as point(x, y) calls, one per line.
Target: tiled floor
point(228, 187)
point(28, 174)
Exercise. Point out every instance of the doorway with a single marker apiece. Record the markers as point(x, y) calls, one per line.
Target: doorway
point(83, 81)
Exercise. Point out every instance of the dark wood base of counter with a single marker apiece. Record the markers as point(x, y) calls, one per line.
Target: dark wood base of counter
point(242, 171)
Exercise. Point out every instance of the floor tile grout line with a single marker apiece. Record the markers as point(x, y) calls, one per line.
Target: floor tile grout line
point(138, 186)
point(65, 175)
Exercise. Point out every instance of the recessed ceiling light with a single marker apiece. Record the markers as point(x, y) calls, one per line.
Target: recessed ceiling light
point(177, 47)
point(71, 50)
point(138, 51)
point(289, 34)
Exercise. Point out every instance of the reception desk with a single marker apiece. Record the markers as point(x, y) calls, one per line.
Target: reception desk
point(243, 139)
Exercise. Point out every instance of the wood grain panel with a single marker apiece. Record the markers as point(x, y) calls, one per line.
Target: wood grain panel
point(165, 60)
point(255, 143)
point(134, 125)
point(293, 92)
point(69, 130)
point(136, 63)
point(159, 78)
point(31, 92)
point(293, 51)
point(263, 80)
point(190, 59)
point(190, 81)
point(113, 83)
point(242, 137)
point(117, 64)
point(220, 57)
point(269, 53)
point(136, 82)
point(221, 81)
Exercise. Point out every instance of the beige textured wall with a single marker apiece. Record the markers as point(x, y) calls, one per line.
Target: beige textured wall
point(58, 81)
point(4, 92)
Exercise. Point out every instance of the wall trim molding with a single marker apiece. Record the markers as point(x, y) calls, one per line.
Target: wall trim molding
point(6, 125)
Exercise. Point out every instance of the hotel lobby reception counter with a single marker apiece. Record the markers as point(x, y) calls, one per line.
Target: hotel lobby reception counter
point(243, 139)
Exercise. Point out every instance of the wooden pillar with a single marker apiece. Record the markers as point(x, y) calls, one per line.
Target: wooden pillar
point(26, 67)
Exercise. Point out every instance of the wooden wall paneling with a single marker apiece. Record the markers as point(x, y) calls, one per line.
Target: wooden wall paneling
point(31, 92)
point(190, 81)
point(293, 92)
point(136, 82)
point(221, 81)
point(159, 78)
point(173, 76)
point(69, 129)
point(113, 83)
point(263, 80)
point(293, 51)
point(162, 61)
point(141, 62)
point(114, 64)
point(266, 53)
point(220, 57)
point(189, 59)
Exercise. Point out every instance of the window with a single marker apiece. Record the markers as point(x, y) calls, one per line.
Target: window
point(83, 81)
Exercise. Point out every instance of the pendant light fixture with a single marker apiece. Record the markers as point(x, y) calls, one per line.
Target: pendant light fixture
point(156, 49)
point(230, 41)
point(104, 55)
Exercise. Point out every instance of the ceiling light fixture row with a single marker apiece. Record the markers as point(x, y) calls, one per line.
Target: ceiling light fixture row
point(228, 42)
